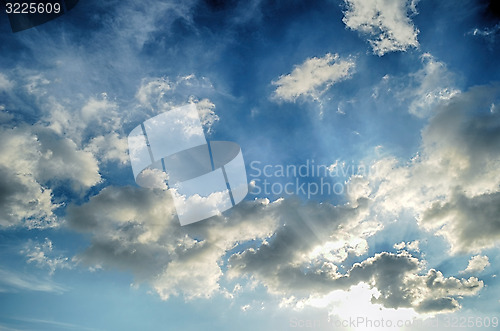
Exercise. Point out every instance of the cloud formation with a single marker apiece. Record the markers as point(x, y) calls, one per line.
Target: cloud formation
point(41, 254)
point(313, 77)
point(452, 184)
point(30, 158)
point(476, 264)
point(136, 229)
point(291, 248)
point(424, 90)
point(14, 282)
point(386, 22)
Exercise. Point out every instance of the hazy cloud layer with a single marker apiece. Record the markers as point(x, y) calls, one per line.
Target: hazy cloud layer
point(422, 91)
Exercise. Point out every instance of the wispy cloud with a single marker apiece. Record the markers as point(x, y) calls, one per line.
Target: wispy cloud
point(41, 254)
point(422, 91)
point(11, 281)
point(35, 323)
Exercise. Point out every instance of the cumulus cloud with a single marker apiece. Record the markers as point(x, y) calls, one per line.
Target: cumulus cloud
point(452, 184)
point(297, 249)
point(304, 253)
point(109, 148)
point(136, 229)
point(391, 281)
point(410, 246)
point(61, 159)
point(468, 223)
point(313, 77)
point(83, 118)
point(386, 22)
point(477, 264)
point(67, 144)
point(31, 157)
point(400, 285)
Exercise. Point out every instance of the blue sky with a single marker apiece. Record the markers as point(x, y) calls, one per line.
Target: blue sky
point(398, 102)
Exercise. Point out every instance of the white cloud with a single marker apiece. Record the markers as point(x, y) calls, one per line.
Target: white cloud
point(161, 93)
point(435, 85)
point(136, 229)
point(302, 246)
point(60, 159)
point(21, 196)
point(30, 157)
point(245, 307)
point(41, 254)
point(391, 284)
point(138, 233)
point(477, 264)
point(154, 88)
point(313, 77)
point(410, 246)
point(109, 148)
point(387, 23)
point(157, 95)
point(5, 83)
point(83, 118)
point(206, 110)
point(489, 34)
point(452, 184)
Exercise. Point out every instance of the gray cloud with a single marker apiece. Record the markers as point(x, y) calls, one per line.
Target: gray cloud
point(469, 224)
point(452, 183)
point(136, 229)
point(30, 158)
point(395, 276)
point(296, 252)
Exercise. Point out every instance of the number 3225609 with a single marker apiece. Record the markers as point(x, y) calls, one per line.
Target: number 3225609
point(32, 8)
